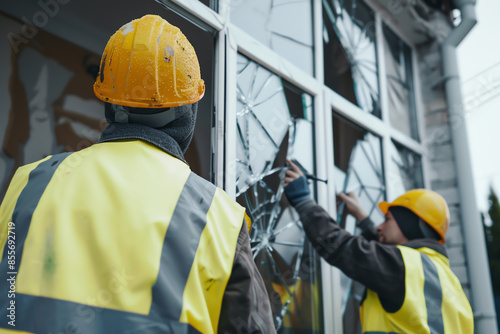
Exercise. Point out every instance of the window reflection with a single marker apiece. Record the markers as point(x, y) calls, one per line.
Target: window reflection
point(358, 169)
point(350, 53)
point(405, 169)
point(283, 25)
point(399, 83)
point(72, 117)
point(274, 122)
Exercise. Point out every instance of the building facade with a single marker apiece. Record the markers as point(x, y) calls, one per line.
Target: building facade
point(357, 92)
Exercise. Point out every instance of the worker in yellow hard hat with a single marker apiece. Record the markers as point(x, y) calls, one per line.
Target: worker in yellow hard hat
point(122, 237)
point(403, 262)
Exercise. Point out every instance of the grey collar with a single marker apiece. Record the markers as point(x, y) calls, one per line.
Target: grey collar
point(160, 139)
point(429, 243)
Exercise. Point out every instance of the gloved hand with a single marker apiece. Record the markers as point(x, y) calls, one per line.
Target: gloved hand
point(297, 191)
point(353, 205)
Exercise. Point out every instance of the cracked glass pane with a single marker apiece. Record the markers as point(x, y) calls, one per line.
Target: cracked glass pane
point(285, 26)
point(350, 54)
point(398, 63)
point(358, 169)
point(405, 169)
point(274, 122)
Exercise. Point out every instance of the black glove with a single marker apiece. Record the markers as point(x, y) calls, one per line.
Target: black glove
point(297, 191)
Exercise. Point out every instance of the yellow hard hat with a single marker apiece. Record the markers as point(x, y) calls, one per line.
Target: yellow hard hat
point(149, 63)
point(428, 205)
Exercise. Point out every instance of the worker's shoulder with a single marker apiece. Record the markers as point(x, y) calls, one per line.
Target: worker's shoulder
point(26, 169)
point(219, 193)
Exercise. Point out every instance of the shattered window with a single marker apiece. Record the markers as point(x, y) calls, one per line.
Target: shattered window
point(398, 65)
point(358, 169)
point(274, 122)
point(286, 26)
point(350, 54)
point(405, 169)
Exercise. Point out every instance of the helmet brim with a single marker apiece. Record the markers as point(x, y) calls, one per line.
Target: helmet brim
point(384, 206)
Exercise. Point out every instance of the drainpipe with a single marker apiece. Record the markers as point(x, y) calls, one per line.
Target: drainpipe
point(477, 260)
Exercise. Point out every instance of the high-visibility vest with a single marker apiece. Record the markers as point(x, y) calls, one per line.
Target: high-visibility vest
point(117, 238)
point(434, 300)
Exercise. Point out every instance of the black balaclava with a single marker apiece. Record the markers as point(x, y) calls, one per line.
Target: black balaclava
point(412, 226)
point(407, 221)
point(173, 138)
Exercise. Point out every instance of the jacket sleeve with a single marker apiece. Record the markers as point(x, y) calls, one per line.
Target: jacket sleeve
point(245, 305)
point(368, 229)
point(378, 266)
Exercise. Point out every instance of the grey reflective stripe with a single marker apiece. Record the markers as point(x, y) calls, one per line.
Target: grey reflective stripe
point(180, 245)
point(433, 296)
point(46, 315)
point(26, 204)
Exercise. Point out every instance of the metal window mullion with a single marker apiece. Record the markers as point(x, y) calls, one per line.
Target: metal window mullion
point(384, 99)
point(230, 135)
point(332, 303)
point(208, 17)
point(269, 59)
point(218, 133)
point(420, 118)
point(355, 114)
point(319, 67)
point(390, 193)
point(407, 141)
point(384, 105)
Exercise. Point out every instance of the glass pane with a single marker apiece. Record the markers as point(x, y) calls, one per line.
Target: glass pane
point(274, 122)
point(283, 25)
point(405, 169)
point(350, 55)
point(399, 83)
point(358, 169)
point(206, 2)
point(49, 105)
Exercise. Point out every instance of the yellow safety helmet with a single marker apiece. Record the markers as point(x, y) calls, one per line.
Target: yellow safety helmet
point(428, 205)
point(149, 63)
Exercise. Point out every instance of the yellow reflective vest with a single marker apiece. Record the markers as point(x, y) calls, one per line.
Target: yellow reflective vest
point(434, 300)
point(117, 238)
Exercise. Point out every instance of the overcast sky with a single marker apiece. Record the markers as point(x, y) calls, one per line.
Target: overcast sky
point(479, 61)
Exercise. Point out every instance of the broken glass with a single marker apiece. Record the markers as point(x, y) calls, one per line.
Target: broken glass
point(274, 123)
point(398, 66)
point(358, 169)
point(350, 54)
point(285, 26)
point(405, 169)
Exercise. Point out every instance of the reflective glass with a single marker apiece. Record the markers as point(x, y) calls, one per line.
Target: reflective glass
point(283, 25)
point(350, 54)
point(405, 169)
point(398, 64)
point(274, 123)
point(358, 169)
point(206, 2)
point(49, 106)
